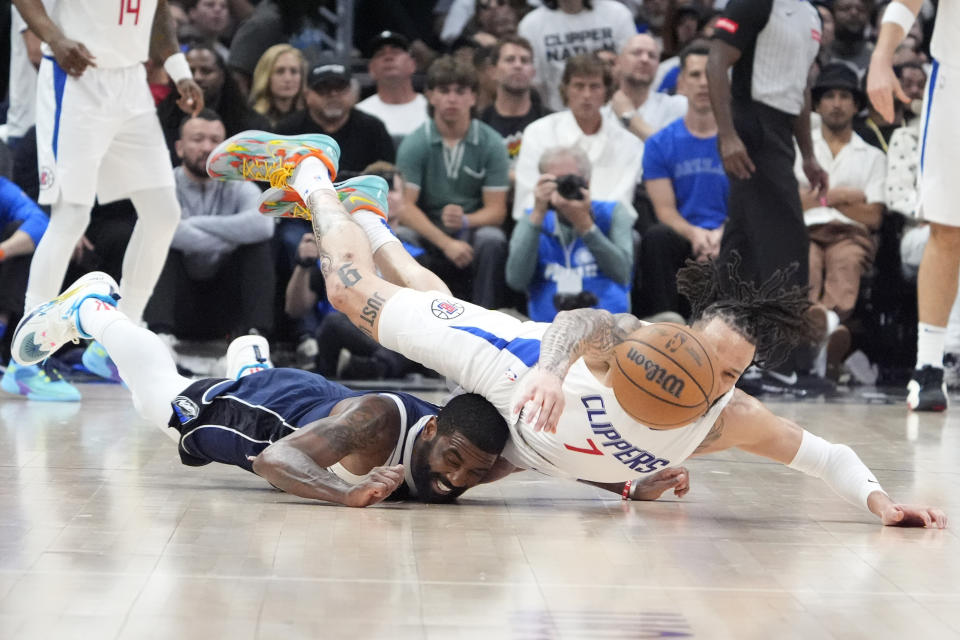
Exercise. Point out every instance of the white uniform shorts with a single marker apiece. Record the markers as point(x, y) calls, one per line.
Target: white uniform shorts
point(485, 351)
point(98, 135)
point(940, 148)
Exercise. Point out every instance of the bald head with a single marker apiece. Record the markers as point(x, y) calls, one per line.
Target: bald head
point(638, 60)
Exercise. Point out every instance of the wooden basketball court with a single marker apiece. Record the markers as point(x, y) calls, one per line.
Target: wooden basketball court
point(104, 534)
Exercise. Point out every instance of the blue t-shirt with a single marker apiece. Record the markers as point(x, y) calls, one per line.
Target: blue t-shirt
point(694, 167)
point(16, 206)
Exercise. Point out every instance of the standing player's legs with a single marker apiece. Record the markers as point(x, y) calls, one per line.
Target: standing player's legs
point(937, 279)
point(137, 166)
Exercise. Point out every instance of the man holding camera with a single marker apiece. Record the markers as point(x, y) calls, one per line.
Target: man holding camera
point(570, 251)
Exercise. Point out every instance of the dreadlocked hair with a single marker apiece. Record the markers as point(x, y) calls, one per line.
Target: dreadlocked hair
point(772, 316)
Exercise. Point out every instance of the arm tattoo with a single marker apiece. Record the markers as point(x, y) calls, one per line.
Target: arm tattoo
point(712, 436)
point(582, 332)
point(362, 427)
point(163, 37)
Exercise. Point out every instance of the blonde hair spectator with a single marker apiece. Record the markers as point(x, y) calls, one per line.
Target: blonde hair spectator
point(278, 82)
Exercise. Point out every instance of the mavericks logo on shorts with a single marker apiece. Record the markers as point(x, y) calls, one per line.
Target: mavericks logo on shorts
point(446, 310)
point(185, 408)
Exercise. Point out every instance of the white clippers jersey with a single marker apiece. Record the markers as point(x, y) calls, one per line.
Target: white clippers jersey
point(116, 32)
point(597, 440)
point(945, 43)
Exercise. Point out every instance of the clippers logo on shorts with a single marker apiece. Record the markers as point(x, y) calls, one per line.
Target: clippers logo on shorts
point(446, 310)
point(185, 408)
point(46, 177)
point(727, 25)
point(815, 35)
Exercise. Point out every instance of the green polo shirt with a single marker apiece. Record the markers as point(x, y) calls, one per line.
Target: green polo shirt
point(457, 175)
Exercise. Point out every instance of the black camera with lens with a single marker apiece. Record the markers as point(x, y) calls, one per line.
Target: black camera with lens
point(570, 301)
point(569, 186)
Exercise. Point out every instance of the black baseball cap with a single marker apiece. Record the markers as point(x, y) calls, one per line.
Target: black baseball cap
point(391, 38)
point(329, 73)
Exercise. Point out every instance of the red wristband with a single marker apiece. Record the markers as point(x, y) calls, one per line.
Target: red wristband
point(626, 490)
point(3, 254)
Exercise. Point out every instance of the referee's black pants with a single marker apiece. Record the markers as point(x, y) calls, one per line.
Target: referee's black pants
point(764, 216)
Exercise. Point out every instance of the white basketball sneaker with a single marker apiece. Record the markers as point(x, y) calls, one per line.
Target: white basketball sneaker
point(248, 355)
point(49, 326)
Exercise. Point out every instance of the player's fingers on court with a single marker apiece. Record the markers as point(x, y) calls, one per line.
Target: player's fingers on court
point(940, 517)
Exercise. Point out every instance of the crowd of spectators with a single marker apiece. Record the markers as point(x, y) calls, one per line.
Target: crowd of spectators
point(542, 154)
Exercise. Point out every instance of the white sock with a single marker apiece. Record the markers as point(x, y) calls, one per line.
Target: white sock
point(141, 357)
point(930, 340)
point(376, 228)
point(310, 175)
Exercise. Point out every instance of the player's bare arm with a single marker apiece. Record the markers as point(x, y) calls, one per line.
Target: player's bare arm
point(164, 50)
point(676, 479)
point(748, 425)
point(882, 84)
point(359, 434)
point(71, 55)
point(591, 334)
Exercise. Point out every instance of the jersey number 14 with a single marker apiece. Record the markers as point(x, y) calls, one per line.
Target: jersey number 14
point(130, 7)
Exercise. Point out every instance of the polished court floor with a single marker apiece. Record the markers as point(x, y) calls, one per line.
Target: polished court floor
point(103, 534)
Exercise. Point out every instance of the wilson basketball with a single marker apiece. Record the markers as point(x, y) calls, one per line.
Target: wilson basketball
point(663, 375)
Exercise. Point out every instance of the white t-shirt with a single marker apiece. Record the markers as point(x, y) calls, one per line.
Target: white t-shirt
point(557, 36)
point(659, 110)
point(116, 38)
point(400, 119)
point(858, 165)
point(615, 157)
point(21, 114)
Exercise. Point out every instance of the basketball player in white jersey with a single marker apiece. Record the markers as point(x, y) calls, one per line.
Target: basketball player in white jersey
point(98, 135)
point(939, 187)
point(559, 374)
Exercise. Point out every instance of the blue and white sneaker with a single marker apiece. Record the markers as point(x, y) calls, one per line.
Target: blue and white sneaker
point(248, 355)
point(49, 326)
point(97, 361)
point(36, 382)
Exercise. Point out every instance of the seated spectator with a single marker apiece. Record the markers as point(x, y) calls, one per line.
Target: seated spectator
point(211, 19)
point(681, 26)
point(614, 157)
point(516, 105)
point(296, 22)
point(841, 244)
point(486, 21)
point(330, 110)
point(278, 83)
point(640, 109)
point(578, 27)
point(396, 103)
point(220, 94)
point(457, 180)
point(873, 128)
point(22, 224)
point(571, 251)
point(850, 43)
point(221, 251)
point(686, 182)
point(306, 294)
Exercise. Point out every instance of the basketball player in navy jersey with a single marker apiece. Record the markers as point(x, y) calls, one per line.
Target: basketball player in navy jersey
point(560, 374)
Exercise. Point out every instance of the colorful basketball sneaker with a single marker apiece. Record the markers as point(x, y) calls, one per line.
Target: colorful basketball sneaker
point(267, 157)
point(97, 361)
point(247, 355)
point(37, 382)
point(366, 193)
point(49, 326)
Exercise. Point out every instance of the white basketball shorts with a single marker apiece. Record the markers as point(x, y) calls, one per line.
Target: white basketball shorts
point(98, 135)
point(940, 147)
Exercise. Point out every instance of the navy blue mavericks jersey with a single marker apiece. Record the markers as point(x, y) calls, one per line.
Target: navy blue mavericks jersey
point(232, 421)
